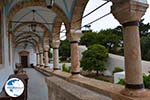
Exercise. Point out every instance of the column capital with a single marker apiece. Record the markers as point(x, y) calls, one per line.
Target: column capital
point(74, 35)
point(55, 43)
point(37, 53)
point(46, 48)
point(128, 11)
point(41, 50)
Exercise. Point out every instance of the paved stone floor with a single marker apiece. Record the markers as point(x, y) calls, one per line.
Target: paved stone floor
point(37, 87)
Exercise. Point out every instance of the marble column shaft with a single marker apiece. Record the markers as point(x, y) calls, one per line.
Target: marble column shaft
point(132, 54)
point(46, 48)
point(38, 59)
point(74, 37)
point(46, 58)
point(75, 64)
point(56, 58)
point(41, 59)
point(55, 45)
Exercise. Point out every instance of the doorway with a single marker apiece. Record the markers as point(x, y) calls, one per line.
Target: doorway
point(24, 58)
point(24, 61)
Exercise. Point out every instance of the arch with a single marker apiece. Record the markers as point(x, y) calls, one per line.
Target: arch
point(78, 13)
point(25, 41)
point(31, 22)
point(27, 33)
point(24, 4)
point(57, 25)
point(25, 38)
point(55, 31)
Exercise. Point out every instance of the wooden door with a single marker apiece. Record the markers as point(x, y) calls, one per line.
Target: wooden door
point(24, 61)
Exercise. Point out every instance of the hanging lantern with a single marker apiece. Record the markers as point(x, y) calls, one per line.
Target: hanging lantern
point(33, 27)
point(50, 3)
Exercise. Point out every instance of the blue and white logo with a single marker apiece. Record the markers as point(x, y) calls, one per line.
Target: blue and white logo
point(14, 87)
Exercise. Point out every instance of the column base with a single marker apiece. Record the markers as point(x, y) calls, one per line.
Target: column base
point(41, 65)
point(75, 73)
point(56, 68)
point(38, 65)
point(75, 76)
point(134, 86)
point(46, 66)
point(136, 92)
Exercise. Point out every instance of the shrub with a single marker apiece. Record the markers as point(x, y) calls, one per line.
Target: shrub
point(121, 81)
point(146, 80)
point(117, 69)
point(65, 68)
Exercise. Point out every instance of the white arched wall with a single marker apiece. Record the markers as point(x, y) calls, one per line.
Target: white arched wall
point(31, 58)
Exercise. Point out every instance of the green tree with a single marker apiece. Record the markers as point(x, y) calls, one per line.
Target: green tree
point(64, 50)
point(145, 47)
point(144, 28)
point(109, 39)
point(94, 58)
point(89, 38)
point(49, 53)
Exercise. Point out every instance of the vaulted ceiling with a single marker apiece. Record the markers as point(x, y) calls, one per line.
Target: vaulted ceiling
point(33, 21)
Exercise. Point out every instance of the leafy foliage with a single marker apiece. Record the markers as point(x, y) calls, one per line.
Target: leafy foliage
point(64, 50)
point(94, 58)
point(65, 68)
point(109, 39)
point(89, 38)
point(117, 69)
point(146, 79)
point(145, 47)
point(144, 28)
point(122, 81)
point(49, 53)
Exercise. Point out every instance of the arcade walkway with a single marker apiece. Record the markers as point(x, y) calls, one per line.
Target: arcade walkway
point(37, 88)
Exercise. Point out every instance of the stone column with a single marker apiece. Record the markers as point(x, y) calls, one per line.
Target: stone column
point(129, 14)
point(38, 59)
point(46, 48)
point(55, 45)
point(74, 37)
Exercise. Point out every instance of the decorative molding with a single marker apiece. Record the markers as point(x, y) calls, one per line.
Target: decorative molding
point(134, 86)
point(132, 23)
point(74, 42)
point(74, 73)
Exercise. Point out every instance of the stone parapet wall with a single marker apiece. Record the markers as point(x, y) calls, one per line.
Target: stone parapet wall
point(110, 90)
point(60, 89)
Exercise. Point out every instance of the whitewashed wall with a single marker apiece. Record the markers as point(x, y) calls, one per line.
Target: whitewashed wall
point(81, 49)
point(5, 68)
point(32, 55)
point(115, 60)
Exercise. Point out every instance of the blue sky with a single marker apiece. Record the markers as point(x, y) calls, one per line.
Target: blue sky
point(107, 22)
